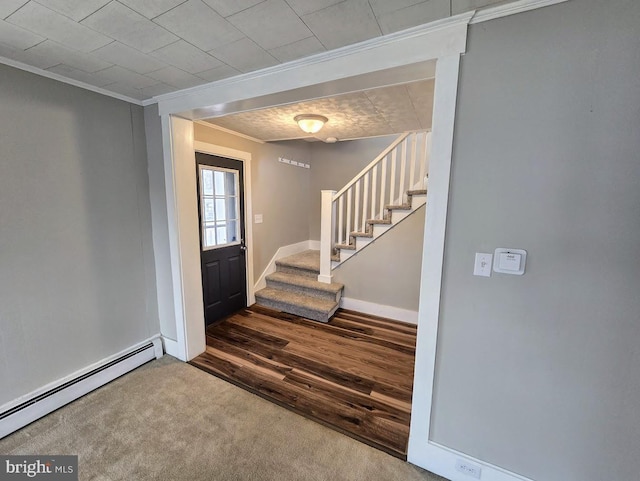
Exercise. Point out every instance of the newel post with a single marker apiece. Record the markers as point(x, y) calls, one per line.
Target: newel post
point(327, 223)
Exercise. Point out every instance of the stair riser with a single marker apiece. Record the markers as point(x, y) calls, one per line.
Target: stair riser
point(305, 290)
point(297, 271)
point(296, 310)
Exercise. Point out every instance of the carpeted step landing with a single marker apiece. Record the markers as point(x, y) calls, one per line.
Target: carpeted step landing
point(293, 288)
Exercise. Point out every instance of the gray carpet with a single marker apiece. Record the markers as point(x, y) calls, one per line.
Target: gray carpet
point(169, 420)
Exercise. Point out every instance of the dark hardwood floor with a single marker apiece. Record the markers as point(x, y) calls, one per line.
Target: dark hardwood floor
point(354, 374)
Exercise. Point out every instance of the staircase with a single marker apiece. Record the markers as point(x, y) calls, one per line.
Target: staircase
point(388, 190)
point(294, 288)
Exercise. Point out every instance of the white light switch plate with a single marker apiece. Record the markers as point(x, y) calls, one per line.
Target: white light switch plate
point(257, 218)
point(482, 267)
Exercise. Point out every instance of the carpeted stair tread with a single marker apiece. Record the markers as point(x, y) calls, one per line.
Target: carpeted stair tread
point(361, 234)
point(417, 192)
point(351, 247)
point(305, 282)
point(308, 260)
point(295, 303)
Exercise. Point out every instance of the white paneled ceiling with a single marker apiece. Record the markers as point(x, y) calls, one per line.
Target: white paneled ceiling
point(144, 48)
point(382, 111)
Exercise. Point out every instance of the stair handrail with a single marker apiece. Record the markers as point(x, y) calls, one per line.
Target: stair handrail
point(347, 208)
point(372, 164)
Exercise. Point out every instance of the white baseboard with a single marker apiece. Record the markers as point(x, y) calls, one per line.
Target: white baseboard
point(366, 307)
point(30, 407)
point(284, 251)
point(171, 347)
point(443, 461)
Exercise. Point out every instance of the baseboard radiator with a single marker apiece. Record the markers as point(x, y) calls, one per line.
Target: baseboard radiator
point(29, 408)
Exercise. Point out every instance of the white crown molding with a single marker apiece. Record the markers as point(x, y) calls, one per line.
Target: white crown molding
point(66, 80)
point(512, 8)
point(228, 131)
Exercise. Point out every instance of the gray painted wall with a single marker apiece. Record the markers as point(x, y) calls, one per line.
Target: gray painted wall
point(77, 280)
point(387, 272)
point(158, 198)
point(540, 374)
point(280, 192)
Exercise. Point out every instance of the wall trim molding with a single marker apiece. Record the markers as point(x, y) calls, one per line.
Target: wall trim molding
point(170, 347)
point(76, 385)
point(504, 10)
point(69, 81)
point(442, 460)
point(228, 131)
point(283, 251)
point(391, 312)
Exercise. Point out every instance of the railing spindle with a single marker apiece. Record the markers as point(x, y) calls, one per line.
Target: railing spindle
point(340, 215)
point(392, 186)
point(412, 161)
point(403, 168)
point(365, 198)
point(348, 232)
point(383, 186)
point(356, 208)
point(374, 191)
point(423, 157)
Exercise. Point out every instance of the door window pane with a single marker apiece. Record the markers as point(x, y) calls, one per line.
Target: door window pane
point(209, 214)
point(219, 207)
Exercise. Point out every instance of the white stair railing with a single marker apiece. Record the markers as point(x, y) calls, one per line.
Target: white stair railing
point(401, 167)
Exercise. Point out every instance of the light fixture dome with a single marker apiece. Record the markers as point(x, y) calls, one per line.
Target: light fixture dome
point(310, 123)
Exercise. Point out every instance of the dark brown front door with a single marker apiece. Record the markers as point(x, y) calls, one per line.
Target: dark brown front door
point(222, 247)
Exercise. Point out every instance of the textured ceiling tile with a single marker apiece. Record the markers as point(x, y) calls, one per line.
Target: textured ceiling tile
point(127, 57)
point(186, 57)
point(18, 37)
point(418, 14)
point(80, 75)
point(157, 89)
point(229, 7)
point(299, 49)
point(176, 77)
point(129, 27)
point(7, 7)
point(198, 24)
point(343, 24)
point(384, 111)
point(460, 6)
point(125, 89)
point(380, 7)
point(244, 55)
point(151, 8)
point(303, 7)
point(126, 77)
point(395, 106)
point(217, 73)
point(270, 24)
point(55, 26)
point(421, 94)
point(72, 58)
point(26, 56)
point(75, 9)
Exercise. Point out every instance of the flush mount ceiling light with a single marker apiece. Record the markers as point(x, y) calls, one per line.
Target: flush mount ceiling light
point(310, 123)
